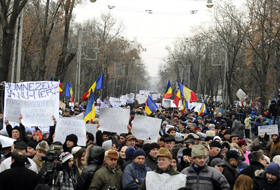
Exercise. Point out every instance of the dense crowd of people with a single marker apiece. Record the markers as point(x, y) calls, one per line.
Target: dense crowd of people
point(215, 150)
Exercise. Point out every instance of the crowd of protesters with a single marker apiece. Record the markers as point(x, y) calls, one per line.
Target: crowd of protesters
point(215, 150)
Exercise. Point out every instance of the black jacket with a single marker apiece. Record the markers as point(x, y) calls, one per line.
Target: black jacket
point(250, 170)
point(151, 162)
point(261, 183)
point(95, 160)
point(18, 177)
point(230, 173)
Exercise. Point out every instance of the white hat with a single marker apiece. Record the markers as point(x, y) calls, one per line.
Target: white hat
point(75, 149)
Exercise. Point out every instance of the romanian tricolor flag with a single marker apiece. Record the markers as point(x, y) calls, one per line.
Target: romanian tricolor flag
point(187, 94)
point(168, 91)
point(96, 86)
point(90, 110)
point(60, 85)
point(177, 98)
point(69, 92)
point(150, 105)
point(202, 108)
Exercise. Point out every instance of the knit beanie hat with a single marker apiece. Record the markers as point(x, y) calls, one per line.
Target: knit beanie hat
point(16, 128)
point(38, 133)
point(32, 144)
point(129, 152)
point(187, 152)
point(164, 152)
point(272, 168)
point(276, 159)
point(72, 138)
point(215, 144)
point(198, 150)
point(242, 142)
point(43, 145)
point(107, 144)
point(152, 146)
point(65, 156)
point(75, 149)
point(139, 152)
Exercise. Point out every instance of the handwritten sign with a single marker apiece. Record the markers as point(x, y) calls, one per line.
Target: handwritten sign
point(91, 128)
point(166, 103)
point(268, 129)
point(114, 120)
point(165, 181)
point(36, 90)
point(66, 126)
point(12, 110)
point(37, 112)
point(146, 127)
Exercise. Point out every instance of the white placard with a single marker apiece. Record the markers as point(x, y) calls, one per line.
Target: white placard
point(166, 103)
point(155, 181)
point(12, 110)
point(6, 141)
point(113, 99)
point(116, 104)
point(37, 112)
point(35, 90)
point(146, 127)
point(130, 96)
point(268, 129)
point(241, 94)
point(114, 120)
point(66, 126)
point(141, 91)
point(92, 129)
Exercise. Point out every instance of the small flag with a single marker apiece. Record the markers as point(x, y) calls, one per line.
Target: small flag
point(69, 92)
point(150, 106)
point(98, 84)
point(90, 110)
point(168, 91)
point(202, 108)
point(51, 78)
point(177, 98)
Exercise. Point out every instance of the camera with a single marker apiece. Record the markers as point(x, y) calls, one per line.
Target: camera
point(51, 158)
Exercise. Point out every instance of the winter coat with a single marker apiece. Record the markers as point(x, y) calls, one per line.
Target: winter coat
point(230, 173)
point(18, 177)
point(95, 160)
point(272, 110)
point(212, 158)
point(23, 135)
point(105, 178)
point(169, 171)
point(275, 147)
point(250, 170)
point(247, 123)
point(260, 183)
point(238, 128)
point(151, 162)
point(241, 165)
point(6, 164)
point(256, 126)
point(66, 182)
point(208, 179)
point(264, 143)
point(133, 175)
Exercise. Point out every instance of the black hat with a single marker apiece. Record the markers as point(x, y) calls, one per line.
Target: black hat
point(233, 154)
point(106, 133)
point(187, 151)
point(73, 138)
point(16, 128)
point(257, 147)
point(228, 132)
point(233, 135)
point(152, 146)
point(90, 136)
point(169, 139)
point(32, 144)
point(215, 144)
point(123, 135)
point(20, 144)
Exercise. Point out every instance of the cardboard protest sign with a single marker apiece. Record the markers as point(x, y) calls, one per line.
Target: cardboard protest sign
point(166, 103)
point(114, 120)
point(35, 90)
point(146, 127)
point(12, 110)
point(66, 126)
point(155, 181)
point(37, 112)
point(268, 129)
point(6, 141)
point(91, 128)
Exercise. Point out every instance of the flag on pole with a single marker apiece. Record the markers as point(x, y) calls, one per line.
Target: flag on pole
point(98, 84)
point(60, 85)
point(168, 91)
point(202, 108)
point(69, 92)
point(177, 98)
point(90, 110)
point(150, 106)
point(51, 78)
point(187, 94)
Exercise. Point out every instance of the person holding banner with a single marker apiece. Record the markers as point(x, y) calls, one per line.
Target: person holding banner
point(18, 132)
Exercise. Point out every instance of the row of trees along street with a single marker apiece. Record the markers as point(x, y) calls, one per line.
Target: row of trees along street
point(50, 40)
point(245, 40)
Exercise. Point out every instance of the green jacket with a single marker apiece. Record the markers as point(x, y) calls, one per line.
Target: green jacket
point(105, 178)
point(169, 171)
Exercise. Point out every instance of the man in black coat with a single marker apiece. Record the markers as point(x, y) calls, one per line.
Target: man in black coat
point(18, 177)
point(256, 163)
point(215, 151)
point(151, 159)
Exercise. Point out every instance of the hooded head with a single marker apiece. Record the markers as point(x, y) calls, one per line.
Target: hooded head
point(94, 155)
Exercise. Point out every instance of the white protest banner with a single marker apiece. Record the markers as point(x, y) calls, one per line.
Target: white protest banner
point(241, 94)
point(130, 96)
point(116, 104)
point(37, 112)
point(268, 129)
point(146, 127)
point(66, 126)
point(166, 103)
point(6, 141)
point(36, 90)
point(91, 128)
point(155, 181)
point(111, 99)
point(114, 119)
point(12, 110)
point(142, 91)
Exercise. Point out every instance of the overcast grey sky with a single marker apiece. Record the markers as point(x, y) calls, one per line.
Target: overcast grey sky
point(170, 19)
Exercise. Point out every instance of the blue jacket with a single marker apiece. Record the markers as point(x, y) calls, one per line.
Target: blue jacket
point(133, 176)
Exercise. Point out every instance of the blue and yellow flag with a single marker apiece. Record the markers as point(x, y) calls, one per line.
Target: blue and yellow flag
point(69, 92)
point(150, 106)
point(90, 111)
